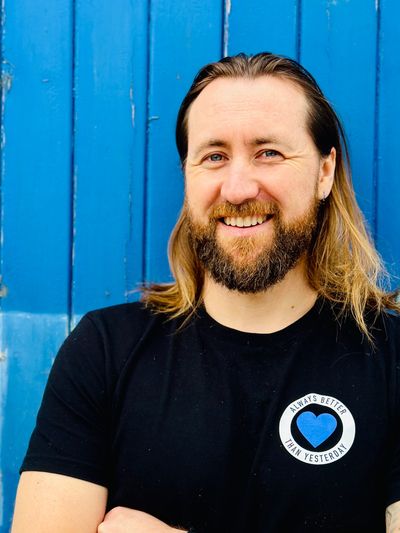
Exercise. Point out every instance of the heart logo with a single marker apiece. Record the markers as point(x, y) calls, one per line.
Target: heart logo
point(316, 429)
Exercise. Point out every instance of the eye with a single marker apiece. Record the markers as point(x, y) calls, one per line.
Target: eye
point(270, 154)
point(216, 158)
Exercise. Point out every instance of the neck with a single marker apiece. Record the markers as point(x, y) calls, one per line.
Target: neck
point(265, 312)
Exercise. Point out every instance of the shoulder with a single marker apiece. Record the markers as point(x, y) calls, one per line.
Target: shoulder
point(129, 316)
point(386, 330)
point(110, 334)
point(122, 326)
point(384, 326)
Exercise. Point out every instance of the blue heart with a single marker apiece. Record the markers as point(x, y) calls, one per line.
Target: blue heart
point(316, 429)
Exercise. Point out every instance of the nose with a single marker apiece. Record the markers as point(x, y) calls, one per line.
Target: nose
point(239, 183)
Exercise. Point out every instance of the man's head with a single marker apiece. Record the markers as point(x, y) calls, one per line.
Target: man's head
point(249, 153)
point(299, 199)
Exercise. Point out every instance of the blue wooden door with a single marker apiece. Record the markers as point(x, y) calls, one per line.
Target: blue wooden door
point(90, 179)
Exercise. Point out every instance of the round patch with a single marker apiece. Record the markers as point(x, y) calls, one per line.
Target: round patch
point(317, 429)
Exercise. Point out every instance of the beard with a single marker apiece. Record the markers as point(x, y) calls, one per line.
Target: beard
point(255, 263)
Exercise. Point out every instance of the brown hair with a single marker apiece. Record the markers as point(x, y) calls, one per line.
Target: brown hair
point(343, 264)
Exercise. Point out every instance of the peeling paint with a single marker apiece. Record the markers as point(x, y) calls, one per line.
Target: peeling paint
point(132, 106)
point(3, 290)
point(3, 356)
point(153, 117)
point(3, 12)
point(329, 5)
point(128, 241)
point(7, 76)
point(6, 81)
point(228, 7)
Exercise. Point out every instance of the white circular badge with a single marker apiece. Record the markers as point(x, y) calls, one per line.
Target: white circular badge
point(324, 426)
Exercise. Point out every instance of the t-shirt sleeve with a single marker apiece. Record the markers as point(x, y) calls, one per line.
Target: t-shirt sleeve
point(71, 433)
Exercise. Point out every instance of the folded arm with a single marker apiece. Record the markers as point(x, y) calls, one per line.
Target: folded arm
point(393, 518)
point(51, 502)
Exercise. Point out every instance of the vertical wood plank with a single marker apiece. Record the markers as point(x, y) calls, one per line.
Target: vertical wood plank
point(388, 183)
point(35, 215)
point(267, 26)
point(183, 38)
point(338, 46)
point(110, 122)
point(36, 156)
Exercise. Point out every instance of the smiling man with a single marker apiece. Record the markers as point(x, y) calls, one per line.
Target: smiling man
point(260, 391)
point(253, 187)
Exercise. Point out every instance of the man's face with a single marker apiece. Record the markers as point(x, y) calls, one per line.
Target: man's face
point(254, 179)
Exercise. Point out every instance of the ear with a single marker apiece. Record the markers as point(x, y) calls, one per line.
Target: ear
point(326, 174)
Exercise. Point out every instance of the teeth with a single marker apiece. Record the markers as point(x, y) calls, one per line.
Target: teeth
point(246, 222)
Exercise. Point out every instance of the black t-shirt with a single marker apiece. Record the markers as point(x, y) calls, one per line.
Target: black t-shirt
point(227, 431)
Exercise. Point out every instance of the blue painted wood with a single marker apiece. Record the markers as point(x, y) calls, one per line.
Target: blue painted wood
point(109, 148)
point(268, 26)
point(35, 215)
point(338, 46)
point(388, 139)
point(36, 156)
point(183, 37)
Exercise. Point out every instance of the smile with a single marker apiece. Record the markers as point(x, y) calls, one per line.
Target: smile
point(245, 222)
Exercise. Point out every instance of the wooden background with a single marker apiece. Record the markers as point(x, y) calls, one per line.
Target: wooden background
point(90, 179)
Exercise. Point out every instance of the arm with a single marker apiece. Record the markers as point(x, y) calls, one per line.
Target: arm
point(393, 518)
point(124, 519)
point(51, 502)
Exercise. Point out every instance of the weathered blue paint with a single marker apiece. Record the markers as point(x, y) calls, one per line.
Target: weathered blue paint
point(338, 45)
point(90, 180)
point(388, 139)
point(182, 38)
point(110, 110)
point(36, 156)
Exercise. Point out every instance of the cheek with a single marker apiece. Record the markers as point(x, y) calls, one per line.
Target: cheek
point(201, 195)
point(294, 196)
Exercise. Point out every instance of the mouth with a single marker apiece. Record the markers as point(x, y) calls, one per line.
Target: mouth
point(245, 222)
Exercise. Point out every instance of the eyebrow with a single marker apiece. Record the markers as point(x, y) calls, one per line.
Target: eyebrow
point(218, 143)
point(210, 143)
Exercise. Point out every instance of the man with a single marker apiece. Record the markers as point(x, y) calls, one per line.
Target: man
point(260, 391)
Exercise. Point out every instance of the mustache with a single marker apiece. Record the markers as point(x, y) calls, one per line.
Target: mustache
point(248, 208)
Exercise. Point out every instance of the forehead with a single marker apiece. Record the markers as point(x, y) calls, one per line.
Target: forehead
point(263, 106)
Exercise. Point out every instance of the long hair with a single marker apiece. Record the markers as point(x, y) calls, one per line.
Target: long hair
point(343, 264)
